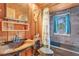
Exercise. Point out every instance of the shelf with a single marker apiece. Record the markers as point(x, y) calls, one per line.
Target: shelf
point(15, 22)
point(14, 30)
point(11, 26)
point(12, 19)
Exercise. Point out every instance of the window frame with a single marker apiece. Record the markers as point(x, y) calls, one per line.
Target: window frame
point(66, 30)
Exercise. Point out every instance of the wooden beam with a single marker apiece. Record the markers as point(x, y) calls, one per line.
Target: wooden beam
point(62, 6)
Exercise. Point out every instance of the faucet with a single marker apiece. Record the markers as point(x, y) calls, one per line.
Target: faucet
point(16, 38)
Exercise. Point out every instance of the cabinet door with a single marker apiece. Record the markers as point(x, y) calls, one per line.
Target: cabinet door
point(27, 52)
point(2, 10)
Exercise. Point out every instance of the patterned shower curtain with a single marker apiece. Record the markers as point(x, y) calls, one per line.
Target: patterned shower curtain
point(46, 28)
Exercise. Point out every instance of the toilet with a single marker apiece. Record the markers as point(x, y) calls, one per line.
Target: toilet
point(43, 51)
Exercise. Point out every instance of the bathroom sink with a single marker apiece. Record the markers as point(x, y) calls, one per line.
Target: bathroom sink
point(10, 46)
point(5, 49)
point(13, 44)
point(16, 44)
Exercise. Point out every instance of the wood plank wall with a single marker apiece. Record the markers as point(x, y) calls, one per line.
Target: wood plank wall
point(28, 34)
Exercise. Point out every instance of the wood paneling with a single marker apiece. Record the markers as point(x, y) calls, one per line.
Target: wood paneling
point(2, 10)
point(32, 23)
point(19, 9)
point(3, 35)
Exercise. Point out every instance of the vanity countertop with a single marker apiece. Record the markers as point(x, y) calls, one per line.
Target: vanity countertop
point(4, 50)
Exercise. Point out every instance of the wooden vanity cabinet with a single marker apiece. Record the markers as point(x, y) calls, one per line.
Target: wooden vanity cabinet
point(27, 52)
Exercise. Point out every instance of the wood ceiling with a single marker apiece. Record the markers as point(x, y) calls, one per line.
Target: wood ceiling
point(53, 6)
point(57, 6)
point(43, 5)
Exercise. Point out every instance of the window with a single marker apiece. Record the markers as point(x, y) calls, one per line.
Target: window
point(62, 24)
